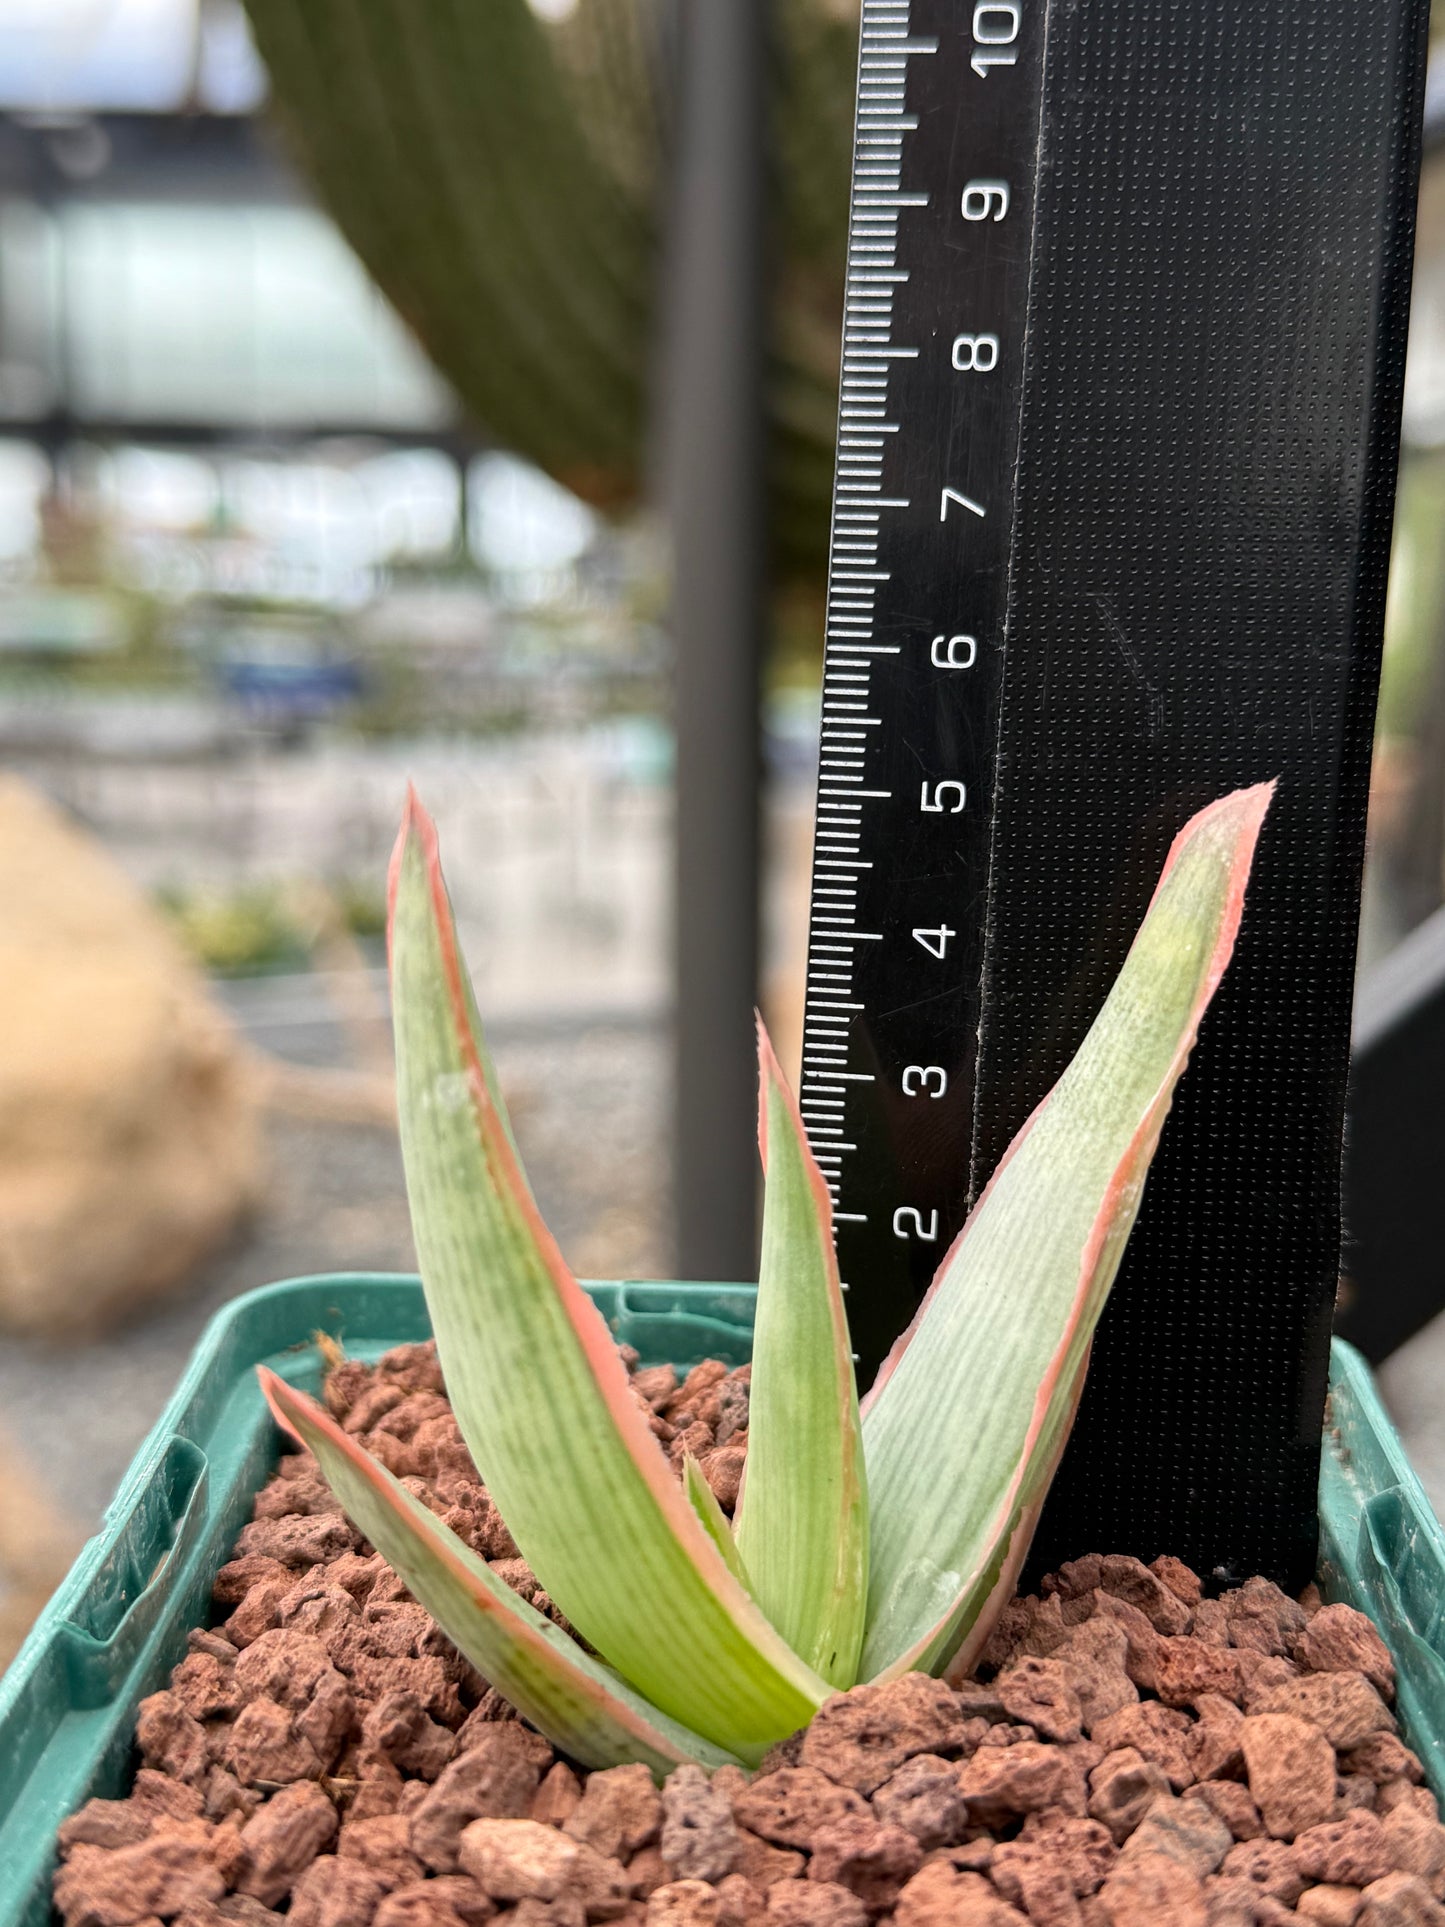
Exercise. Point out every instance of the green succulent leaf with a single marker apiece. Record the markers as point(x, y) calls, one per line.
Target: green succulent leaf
point(973, 1406)
point(539, 1392)
point(579, 1704)
point(715, 1522)
point(802, 1520)
point(979, 1605)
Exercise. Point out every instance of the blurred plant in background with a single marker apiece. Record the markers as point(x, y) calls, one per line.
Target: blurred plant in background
point(1406, 882)
point(266, 926)
point(499, 170)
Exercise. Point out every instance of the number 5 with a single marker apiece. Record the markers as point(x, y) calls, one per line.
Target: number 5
point(936, 806)
point(928, 1233)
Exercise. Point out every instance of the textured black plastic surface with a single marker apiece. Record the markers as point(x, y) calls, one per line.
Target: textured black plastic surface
point(1204, 611)
point(1217, 291)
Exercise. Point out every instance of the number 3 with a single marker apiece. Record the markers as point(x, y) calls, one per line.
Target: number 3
point(924, 1074)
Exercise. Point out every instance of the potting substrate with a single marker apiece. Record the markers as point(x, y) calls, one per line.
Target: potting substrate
point(1131, 1750)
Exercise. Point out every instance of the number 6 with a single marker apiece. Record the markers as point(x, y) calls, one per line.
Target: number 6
point(949, 644)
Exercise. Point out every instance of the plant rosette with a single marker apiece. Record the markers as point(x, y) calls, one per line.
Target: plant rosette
point(668, 1623)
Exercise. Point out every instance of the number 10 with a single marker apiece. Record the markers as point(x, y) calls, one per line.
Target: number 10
point(995, 28)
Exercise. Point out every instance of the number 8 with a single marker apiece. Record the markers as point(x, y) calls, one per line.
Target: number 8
point(975, 353)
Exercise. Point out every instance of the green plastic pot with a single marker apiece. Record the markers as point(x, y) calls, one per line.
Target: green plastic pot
point(118, 1623)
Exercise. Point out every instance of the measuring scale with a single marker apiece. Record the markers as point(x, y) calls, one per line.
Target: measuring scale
point(1122, 350)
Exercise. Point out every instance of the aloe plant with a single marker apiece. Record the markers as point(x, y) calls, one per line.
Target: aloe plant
point(866, 1542)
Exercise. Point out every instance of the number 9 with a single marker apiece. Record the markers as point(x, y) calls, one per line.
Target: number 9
point(984, 198)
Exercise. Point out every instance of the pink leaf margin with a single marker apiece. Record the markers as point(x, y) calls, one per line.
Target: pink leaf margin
point(305, 1421)
point(587, 1322)
point(771, 1080)
point(1245, 810)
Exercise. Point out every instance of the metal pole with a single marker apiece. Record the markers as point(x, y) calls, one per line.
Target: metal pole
point(713, 450)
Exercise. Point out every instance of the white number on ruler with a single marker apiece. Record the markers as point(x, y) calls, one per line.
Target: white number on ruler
point(928, 1233)
point(963, 501)
point(935, 941)
point(982, 199)
point(975, 354)
point(918, 1077)
point(995, 28)
point(936, 807)
point(959, 652)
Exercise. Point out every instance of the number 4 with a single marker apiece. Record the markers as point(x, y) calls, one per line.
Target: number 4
point(935, 941)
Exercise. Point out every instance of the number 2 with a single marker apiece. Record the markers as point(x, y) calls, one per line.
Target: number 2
point(928, 1233)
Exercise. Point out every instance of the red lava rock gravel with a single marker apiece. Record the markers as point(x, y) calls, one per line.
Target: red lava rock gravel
point(1131, 1754)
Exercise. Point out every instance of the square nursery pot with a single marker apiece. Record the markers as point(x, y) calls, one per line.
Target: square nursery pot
point(119, 1621)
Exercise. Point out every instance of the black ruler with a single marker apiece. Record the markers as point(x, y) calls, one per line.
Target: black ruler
point(1126, 301)
point(934, 346)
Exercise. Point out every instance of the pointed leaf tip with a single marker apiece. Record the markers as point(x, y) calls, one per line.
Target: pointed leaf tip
point(415, 822)
point(773, 1083)
point(703, 1501)
point(802, 1522)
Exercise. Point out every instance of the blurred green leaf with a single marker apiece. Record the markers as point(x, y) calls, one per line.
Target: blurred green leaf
point(703, 1500)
